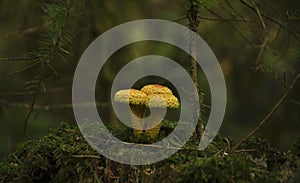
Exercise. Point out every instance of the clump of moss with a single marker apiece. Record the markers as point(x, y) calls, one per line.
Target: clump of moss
point(51, 159)
point(296, 148)
point(64, 156)
point(256, 161)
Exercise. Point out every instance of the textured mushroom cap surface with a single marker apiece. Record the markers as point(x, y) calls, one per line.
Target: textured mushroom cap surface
point(130, 96)
point(156, 89)
point(162, 101)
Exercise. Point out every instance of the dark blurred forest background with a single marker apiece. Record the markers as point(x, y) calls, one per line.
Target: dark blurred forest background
point(257, 44)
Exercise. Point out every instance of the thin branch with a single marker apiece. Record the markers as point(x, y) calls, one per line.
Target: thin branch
point(24, 93)
point(278, 14)
point(179, 19)
point(17, 59)
point(262, 50)
point(295, 34)
point(25, 31)
point(225, 19)
point(260, 17)
point(262, 67)
point(56, 106)
point(285, 52)
point(30, 110)
point(86, 156)
point(45, 66)
point(238, 13)
point(20, 70)
point(273, 9)
point(269, 114)
point(225, 9)
point(17, 159)
point(147, 145)
point(230, 23)
point(246, 150)
point(276, 36)
point(291, 19)
point(295, 102)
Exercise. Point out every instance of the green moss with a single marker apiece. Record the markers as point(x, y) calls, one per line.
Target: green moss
point(49, 159)
point(64, 156)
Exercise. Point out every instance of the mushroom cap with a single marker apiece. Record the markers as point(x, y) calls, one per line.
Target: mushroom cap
point(156, 100)
point(156, 89)
point(130, 96)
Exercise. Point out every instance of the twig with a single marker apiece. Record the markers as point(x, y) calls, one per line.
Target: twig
point(260, 17)
point(30, 110)
point(246, 150)
point(25, 31)
point(3, 178)
point(240, 15)
point(147, 145)
point(229, 23)
point(273, 9)
point(225, 19)
point(295, 34)
point(54, 107)
point(85, 156)
point(20, 70)
point(24, 93)
point(228, 143)
point(45, 66)
point(179, 19)
point(270, 113)
point(291, 19)
point(17, 159)
point(262, 50)
point(295, 102)
point(260, 170)
point(107, 170)
point(17, 59)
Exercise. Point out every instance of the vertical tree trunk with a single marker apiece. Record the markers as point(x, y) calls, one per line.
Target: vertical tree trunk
point(193, 19)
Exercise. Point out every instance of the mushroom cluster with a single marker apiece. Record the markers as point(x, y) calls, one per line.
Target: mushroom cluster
point(154, 96)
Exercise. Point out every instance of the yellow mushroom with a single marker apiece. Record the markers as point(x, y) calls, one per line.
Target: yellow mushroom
point(158, 98)
point(156, 89)
point(154, 96)
point(136, 99)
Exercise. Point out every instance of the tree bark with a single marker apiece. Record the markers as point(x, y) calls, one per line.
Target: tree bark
point(194, 21)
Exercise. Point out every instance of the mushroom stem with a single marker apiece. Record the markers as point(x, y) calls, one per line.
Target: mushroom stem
point(154, 122)
point(137, 118)
point(153, 132)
